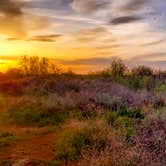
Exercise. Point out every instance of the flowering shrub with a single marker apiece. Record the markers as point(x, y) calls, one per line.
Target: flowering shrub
point(150, 140)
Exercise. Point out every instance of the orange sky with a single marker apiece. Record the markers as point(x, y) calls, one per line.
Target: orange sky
point(83, 35)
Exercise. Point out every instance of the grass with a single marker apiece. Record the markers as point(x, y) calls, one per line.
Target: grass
point(161, 88)
point(38, 116)
point(71, 142)
point(7, 138)
point(93, 136)
point(96, 120)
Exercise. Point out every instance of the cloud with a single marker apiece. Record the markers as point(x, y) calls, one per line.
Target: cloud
point(11, 8)
point(90, 35)
point(39, 38)
point(105, 62)
point(49, 4)
point(89, 6)
point(8, 57)
point(154, 42)
point(149, 56)
point(125, 19)
point(90, 61)
point(159, 64)
point(16, 22)
point(133, 5)
point(10, 18)
point(45, 38)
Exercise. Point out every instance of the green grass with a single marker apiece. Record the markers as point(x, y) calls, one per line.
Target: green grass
point(161, 88)
point(34, 116)
point(124, 121)
point(72, 141)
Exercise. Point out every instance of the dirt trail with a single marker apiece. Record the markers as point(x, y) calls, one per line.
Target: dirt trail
point(37, 146)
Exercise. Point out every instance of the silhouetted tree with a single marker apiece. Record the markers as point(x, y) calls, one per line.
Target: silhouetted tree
point(37, 66)
point(118, 69)
point(44, 66)
point(142, 71)
point(24, 65)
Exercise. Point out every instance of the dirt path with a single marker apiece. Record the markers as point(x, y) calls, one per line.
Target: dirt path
point(35, 146)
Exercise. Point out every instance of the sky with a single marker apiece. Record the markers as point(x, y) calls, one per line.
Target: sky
point(84, 35)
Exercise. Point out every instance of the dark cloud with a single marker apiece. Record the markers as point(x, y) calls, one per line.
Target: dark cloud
point(89, 6)
point(45, 38)
point(15, 22)
point(125, 19)
point(39, 38)
point(133, 5)
point(11, 18)
point(11, 8)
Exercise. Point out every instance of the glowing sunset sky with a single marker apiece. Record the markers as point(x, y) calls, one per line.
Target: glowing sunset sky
point(84, 35)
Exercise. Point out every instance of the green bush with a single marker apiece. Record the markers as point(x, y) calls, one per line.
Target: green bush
point(35, 116)
point(73, 141)
point(161, 88)
point(112, 116)
point(131, 113)
point(24, 116)
point(71, 144)
point(123, 120)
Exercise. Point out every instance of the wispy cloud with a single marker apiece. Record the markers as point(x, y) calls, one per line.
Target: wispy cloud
point(89, 6)
point(125, 19)
point(90, 35)
point(39, 38)
point(133, 5)
point(106, 27)
point(45, 38)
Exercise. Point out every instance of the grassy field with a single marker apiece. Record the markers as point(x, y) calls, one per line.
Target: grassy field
point(100, 119)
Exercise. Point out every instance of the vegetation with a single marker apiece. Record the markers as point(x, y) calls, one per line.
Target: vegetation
point(114, 117)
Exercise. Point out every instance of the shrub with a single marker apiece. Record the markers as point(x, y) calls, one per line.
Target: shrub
point(131, 113)
point(110, 102)
point(135, 83)
point(142, 71)
point(35, 116)
point(150, 140)
point(6, 138)
point(161, 88)
point(123, 120)
point(117, 69)
point(72, 141)
point(89, 141)
point(24, 116)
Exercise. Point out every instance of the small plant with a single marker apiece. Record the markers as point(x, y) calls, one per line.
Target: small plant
point(35, 116)
point(73, 141)
point(150, 139)
point(131, 113)
point(111, 102)
point(6, 138)
point(162, 87)
point(71, 144)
